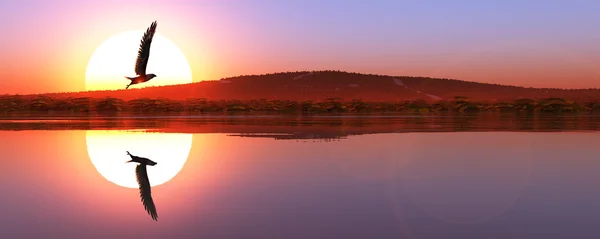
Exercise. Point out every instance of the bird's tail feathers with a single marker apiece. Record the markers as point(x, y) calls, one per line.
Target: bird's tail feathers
point(130, 83)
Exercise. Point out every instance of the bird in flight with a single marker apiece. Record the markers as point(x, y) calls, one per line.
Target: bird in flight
point(144, 184)
point(142, 58)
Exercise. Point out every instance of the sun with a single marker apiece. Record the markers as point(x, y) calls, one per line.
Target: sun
point(107, 151)
point(115, 58)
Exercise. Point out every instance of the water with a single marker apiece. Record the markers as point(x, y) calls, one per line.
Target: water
point(310, 177)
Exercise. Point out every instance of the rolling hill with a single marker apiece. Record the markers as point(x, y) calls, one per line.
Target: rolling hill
point(319, 85)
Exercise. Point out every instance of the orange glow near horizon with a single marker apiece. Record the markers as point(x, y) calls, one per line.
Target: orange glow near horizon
point(227, 39)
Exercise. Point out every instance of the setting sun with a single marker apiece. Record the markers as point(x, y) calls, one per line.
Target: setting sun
point(115, 58)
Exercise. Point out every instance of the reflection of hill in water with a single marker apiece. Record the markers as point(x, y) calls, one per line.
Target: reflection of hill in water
point(326, 136)
point(306, 128)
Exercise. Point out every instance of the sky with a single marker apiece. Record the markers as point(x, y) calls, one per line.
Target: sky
point(46, 46)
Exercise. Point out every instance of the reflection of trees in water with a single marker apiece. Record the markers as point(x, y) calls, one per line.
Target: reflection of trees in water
point(463, 123)
point(526, 121)
point(566, 122)
point(553, 123)
point(299, 136)
point(45, 125)
point(314, 127)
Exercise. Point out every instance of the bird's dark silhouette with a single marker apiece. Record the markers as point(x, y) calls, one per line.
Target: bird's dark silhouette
point(142, 58)
point(144, 183)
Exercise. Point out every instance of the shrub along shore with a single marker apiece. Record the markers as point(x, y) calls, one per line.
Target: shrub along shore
point(41, 104)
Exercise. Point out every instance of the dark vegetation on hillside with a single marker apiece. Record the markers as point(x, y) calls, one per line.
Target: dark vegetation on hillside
point(313, 92)
point(459, 104)
point(322, 85)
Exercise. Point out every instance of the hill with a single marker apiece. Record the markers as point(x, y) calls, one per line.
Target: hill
point(321, 85)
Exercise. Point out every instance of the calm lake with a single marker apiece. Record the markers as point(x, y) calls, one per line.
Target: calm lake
point(302, 177)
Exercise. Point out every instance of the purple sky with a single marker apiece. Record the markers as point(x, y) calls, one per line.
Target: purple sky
point(46, 45)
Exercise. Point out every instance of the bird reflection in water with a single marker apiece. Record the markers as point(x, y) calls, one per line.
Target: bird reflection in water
point(144, 183)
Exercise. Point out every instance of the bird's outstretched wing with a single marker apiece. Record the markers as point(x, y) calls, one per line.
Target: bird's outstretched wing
point(145, 194)
point(144, 51)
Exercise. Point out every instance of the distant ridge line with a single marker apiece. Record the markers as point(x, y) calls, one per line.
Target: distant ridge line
point(318, 85)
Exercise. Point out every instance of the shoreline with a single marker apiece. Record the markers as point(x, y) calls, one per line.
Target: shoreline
point(320, 126)
point(279, 116)
point(16, 105)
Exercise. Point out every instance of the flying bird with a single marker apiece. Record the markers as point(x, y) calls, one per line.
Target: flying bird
point(142, 58)
point(144, 184)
